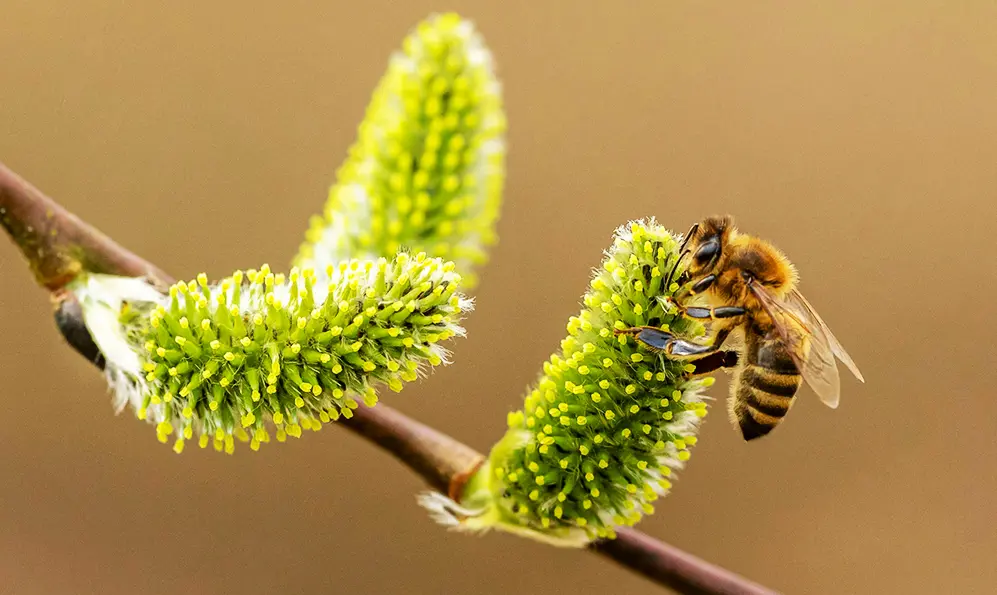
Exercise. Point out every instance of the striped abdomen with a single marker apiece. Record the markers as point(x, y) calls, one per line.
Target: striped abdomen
point(764, 385)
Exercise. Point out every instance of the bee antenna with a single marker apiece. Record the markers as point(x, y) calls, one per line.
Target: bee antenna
point(682, 252)
point(688, 236)
point(668, 282)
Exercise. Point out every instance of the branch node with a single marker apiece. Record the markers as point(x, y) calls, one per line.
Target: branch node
point(459, 480)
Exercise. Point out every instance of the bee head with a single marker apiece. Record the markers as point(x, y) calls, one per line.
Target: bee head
point(706, 243)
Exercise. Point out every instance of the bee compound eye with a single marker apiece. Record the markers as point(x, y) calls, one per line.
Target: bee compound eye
point(707, 252)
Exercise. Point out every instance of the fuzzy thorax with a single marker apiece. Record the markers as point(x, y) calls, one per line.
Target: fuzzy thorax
point(259, 350)
point(608, 421)
point(427, 169)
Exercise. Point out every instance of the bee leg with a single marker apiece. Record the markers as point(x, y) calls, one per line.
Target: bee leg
point(715, 361)
point(667, 343)
point(699, 313)
point(663, 341)
point(714, 313)
point(652, 337)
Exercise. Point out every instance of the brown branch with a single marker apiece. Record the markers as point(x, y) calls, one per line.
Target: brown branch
point(434, 456)
point(56, 243)
point(58, 246)
point(444, 463)
point(667, 565)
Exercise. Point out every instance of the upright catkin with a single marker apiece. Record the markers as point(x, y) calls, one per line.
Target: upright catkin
point(426, 172)
point(602, 430)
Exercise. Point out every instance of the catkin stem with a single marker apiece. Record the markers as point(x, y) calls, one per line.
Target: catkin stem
point(57, 242)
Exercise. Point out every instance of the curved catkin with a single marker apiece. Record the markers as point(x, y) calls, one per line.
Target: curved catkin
point(426, 172)
point(230, 360)
point(608, 420)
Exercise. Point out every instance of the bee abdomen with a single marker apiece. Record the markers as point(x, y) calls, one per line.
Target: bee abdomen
point(750, 427)
point(770, 382)
point(757, 411)
point(765, 406)
point(765, 391)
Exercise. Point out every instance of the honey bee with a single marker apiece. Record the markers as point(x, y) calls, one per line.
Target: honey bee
point(749, 289)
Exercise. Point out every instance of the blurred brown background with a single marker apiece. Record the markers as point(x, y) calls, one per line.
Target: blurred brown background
point(861, 139)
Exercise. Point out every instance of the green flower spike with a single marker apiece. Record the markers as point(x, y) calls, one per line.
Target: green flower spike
point(608, 421)
point(229, 360)
point(427, 170)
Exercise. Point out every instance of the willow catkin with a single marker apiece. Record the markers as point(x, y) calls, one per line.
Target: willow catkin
point(602, 430)
point(260, 351)
point(426, 172)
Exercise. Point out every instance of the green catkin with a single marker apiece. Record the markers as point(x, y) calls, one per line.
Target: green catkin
point(603, 428)
point(256, 351)
point(426, 172)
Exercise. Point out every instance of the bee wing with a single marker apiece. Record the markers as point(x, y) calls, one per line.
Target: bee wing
point(800, 303)
point(806, 342)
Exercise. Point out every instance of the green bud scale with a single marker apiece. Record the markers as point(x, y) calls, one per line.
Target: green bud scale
point(600, 433)
point(427, 169)
point(229, 360)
